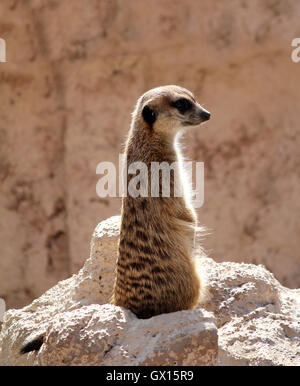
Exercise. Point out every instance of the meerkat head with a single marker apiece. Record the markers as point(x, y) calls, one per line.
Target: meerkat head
point(169, 109)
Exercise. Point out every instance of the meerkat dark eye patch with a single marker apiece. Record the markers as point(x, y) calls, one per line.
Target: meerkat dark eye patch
point(182, 105)
point(149, 115)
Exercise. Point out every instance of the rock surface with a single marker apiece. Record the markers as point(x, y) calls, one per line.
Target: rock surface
point(108, 335)
point(79, 330)
point(66, 98)
point(258, 320)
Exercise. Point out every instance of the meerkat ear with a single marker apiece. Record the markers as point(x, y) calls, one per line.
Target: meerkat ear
point(149, 115)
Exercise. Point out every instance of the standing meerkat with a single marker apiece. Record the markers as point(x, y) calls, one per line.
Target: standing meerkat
point(155, 271)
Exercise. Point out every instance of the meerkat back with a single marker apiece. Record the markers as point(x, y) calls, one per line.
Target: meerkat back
point(155, 271)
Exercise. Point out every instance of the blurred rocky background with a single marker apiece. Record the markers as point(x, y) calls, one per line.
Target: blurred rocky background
point(74, 71)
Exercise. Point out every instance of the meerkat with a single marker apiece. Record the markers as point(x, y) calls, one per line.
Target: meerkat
point(155, 269)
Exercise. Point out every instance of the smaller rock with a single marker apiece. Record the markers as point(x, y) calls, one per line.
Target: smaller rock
point(110, 335)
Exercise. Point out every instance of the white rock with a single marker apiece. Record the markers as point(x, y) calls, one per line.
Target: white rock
point(258, 320)
point(80, 329)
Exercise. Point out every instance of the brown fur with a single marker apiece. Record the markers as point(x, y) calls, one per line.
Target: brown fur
point(155, 271)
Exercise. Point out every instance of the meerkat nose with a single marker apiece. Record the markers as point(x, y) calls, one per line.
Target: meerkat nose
point(205, 115)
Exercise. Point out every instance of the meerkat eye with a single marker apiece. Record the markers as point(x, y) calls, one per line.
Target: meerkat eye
point(182, 105)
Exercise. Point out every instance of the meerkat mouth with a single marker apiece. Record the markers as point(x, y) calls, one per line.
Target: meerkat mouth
point(193, 123)
point(189, 123)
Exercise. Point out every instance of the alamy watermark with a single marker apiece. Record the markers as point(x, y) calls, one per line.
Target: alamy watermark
point(296, 52)
point(2, 309)
point(2, 50)
point(159, 179)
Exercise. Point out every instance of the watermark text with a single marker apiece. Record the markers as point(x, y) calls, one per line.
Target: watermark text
point(156, 179)
point(2, 309)
point(2, 50)
point(296, 52)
